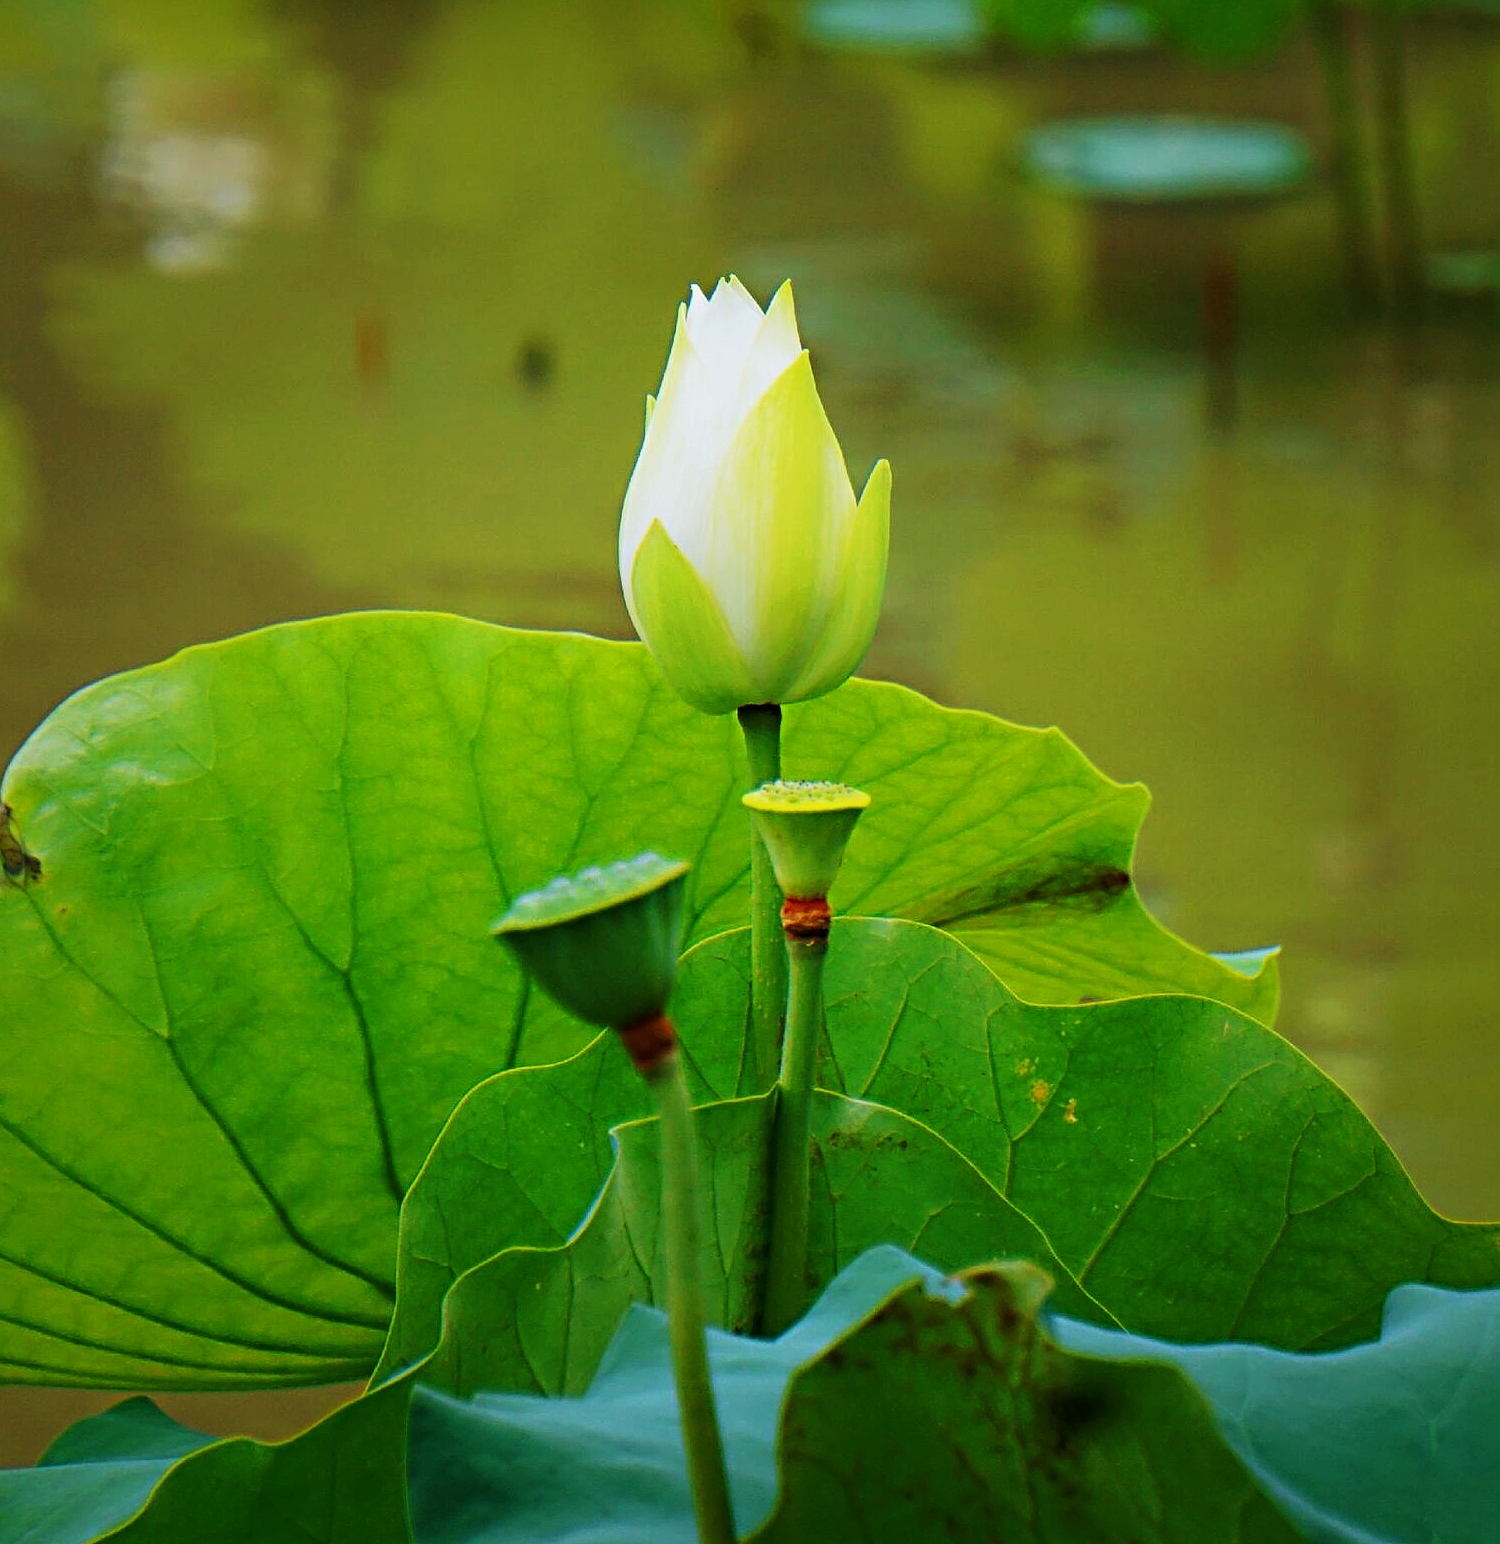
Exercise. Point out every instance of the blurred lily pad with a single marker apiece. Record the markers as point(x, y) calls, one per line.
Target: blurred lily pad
point(1110, 27)
point(897, 26)
point(1164, 159)
point(1467, 272)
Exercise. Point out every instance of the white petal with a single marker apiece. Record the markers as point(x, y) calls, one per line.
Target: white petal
point(679, 454)
point(697, 303)
point(723, 326)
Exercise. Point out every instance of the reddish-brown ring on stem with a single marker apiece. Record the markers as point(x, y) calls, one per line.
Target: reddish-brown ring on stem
point(650, 1041)
point(805, 917)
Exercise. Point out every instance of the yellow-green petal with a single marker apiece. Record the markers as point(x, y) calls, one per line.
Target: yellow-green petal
point(781, 505)
point(856, 612)
point(776, 346)
point(683, 627)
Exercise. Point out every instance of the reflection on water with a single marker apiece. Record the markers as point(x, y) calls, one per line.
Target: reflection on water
point(195, 180)
point(308, 306)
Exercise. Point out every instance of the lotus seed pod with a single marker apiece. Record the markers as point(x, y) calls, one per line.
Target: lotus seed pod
point(603, 942)
point(806, 828)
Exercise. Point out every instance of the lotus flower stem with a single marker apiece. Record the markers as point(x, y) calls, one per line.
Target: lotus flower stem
point(686, 1318)
point(768, 961)
point(603, 944)
point(806, 828)
point(806, 924)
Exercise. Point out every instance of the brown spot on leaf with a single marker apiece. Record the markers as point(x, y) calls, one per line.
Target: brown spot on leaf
point(1070, 1112)
point(18, 865)
point(1040, 1092)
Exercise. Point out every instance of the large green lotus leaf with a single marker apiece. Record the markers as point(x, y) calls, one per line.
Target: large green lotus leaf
point(254, 978)
point(1196, 1173)
point(539, 1319)
point(1043, 842)
point(136, 1476)
point(517, 1165)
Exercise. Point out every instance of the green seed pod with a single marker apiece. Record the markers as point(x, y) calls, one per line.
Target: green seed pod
point(806, 827)
point(602, 942)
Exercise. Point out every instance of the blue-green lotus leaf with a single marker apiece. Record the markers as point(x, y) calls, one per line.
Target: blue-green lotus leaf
point(877, 1405)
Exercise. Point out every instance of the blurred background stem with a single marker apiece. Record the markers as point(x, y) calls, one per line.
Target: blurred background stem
point(1393, 146)
point(1349, 165)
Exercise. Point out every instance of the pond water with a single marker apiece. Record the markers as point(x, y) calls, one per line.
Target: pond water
point(307, 307)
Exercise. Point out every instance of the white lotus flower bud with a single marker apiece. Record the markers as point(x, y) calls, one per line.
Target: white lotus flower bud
point(749, 569)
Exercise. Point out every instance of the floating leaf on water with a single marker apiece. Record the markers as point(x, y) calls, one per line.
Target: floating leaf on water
point(1165, 159)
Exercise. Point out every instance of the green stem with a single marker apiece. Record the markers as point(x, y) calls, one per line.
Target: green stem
point(791, 1162)
point(1351, 180)
point(686, 1319)
point(762, 728)
point(1393, 140)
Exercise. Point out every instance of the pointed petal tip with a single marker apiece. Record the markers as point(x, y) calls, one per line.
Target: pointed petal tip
point(680, 333)
point(784, 308)
point(878, 483)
